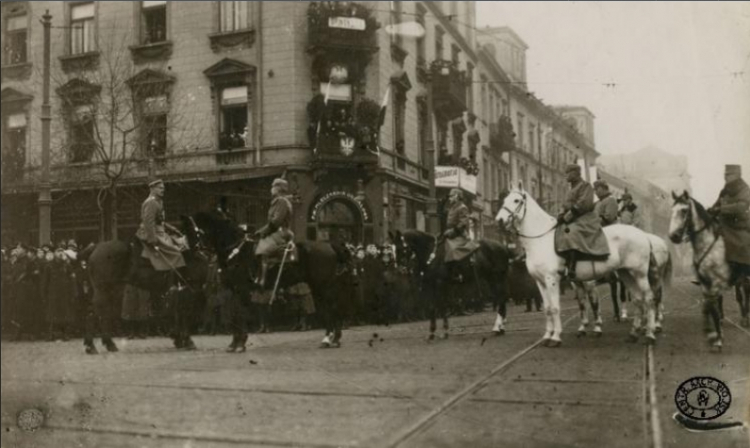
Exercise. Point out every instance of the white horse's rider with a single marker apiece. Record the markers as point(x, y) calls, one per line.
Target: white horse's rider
point(162, 248)
point(733, 211)
point(457, 243)
point(276, 234)
point(580, 232)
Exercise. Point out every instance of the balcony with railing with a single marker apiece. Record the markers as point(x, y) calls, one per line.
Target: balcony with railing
point(448, 87)
point(502, 137)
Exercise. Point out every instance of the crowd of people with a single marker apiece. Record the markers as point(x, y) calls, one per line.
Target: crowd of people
point(45, 291)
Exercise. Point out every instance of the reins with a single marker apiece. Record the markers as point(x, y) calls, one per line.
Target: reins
point(514, 215)
point(693, 233)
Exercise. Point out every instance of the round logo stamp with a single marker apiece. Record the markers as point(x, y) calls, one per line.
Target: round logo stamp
point(30, 420)
point(703, 398)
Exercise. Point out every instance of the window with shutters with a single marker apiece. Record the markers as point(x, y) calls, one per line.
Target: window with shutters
point(82, 28)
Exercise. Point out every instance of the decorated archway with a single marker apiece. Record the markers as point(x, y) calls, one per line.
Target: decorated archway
point(340, 217)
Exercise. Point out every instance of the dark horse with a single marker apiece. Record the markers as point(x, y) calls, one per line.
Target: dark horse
point(319, 265)
point(109, 264)
point(486, 269)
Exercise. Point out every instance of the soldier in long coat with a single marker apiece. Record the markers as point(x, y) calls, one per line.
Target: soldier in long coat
point(606, 207)
point(580, 231)
point(276, 234)
point(164, 251)
point(457, 243)
point(629, 213)
point(733, 211)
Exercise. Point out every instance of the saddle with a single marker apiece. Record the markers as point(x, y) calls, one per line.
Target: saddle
point(142, 274)
point(292, 255)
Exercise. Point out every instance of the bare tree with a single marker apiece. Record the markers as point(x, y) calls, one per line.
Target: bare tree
point(120, 120)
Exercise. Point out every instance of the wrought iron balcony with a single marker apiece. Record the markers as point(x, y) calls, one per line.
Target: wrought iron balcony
point(344, 25)
point(448, 88)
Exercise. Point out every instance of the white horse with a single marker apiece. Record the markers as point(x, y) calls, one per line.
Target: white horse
point(691, 222)
point(630, 253)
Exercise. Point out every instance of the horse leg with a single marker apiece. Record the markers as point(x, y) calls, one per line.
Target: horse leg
point(594, 302)
point(629, 284)
point(434, 300)
point(647, 305)
point(720, 306)
point(658, 306)
point(624, 298)
point(712, 320)
point(500, 299)
point(581, 310)
point(551, 296)
point(742, 293)
point(613, 295)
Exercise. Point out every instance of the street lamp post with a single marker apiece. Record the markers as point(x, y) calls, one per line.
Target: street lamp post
point(45, 193)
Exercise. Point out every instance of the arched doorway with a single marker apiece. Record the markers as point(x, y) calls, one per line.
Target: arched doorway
point(339, 221)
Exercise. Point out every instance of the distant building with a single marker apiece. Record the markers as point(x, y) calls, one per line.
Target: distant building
point(668, 171)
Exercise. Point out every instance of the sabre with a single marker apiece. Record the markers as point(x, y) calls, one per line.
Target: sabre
point(281, 268)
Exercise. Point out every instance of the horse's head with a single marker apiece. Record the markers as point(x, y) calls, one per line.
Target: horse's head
point(513, 208)
point(218, 233)
point(687, 215)
point(192, 232)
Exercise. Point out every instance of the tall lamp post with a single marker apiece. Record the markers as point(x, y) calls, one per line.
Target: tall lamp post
point(45, 188)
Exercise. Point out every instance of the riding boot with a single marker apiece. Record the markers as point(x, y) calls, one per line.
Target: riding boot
point(262, 277)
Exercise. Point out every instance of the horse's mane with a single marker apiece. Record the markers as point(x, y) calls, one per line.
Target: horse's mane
point(702, 213)
point(224, 232)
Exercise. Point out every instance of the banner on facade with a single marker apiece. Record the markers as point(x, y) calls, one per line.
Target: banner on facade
point(347, 23)
point(455, 177)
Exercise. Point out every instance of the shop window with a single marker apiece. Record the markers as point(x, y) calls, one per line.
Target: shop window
point(82, 28)
point(16, 36)
point(153, 21)
point(234, 16)
point(234, 118)
point(82, 141)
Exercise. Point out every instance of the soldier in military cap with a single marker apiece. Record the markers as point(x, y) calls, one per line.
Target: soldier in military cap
point(606, 207)
point(164, 250)
point(628, 213)
point(580, 231)
point(458, 245)
point(733, 212)
point(276, 233)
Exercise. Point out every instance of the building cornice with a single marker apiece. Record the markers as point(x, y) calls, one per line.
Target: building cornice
point(451, 28)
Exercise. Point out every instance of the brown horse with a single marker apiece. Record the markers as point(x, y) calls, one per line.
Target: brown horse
point(109, 265)
point(486, 270)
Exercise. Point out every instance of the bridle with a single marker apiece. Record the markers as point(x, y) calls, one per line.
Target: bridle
point(515, 218)
point(689, 233)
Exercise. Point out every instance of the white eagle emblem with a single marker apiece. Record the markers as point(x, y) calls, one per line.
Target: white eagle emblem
point(347, 146)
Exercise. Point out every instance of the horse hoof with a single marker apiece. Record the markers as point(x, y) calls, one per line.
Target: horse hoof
point(650, 340)
point(499, 332)
point(444, 336)
point(336, 344)
point(91, 350)
point(598, 334)
point(712, 337)
point(545, 342)
point(631, 339)
point(241, 349)
point(581, 334)
point(554, 344)
point(112, 348)
point(231, 349)
point(190, 345)
point(431, 337)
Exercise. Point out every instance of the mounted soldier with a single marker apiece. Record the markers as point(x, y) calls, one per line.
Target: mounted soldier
point(606, 208)
point(628, 212)
point(162, 243)
point(580, 232)
point(276, 234)
point(732, 209)
point(457, 243)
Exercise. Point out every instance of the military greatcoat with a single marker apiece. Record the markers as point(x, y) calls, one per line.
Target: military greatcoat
point(153, 232)
point(458, 246)
point(606, 209)
point(733, 207)
point(276, 233)
point(582, 229)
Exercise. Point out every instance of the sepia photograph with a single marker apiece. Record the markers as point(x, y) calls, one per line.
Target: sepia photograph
point(344, 224)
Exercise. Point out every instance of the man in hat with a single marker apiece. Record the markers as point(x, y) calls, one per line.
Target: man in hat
point(457, 243)
point(733, 211)
point(628, 213)
point(606, 207)
point(276, 234)
point(580, 231)
point(164, 251)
